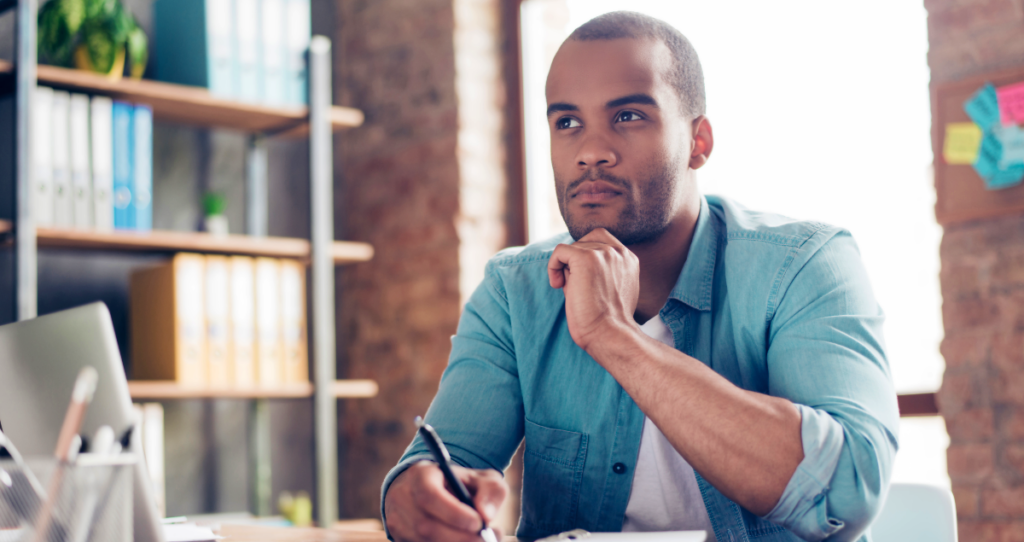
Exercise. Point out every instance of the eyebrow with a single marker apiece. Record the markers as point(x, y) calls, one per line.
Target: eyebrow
point(561, 106)
point(640, 98)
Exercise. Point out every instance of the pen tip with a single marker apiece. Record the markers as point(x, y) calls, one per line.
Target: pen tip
point(418, 420)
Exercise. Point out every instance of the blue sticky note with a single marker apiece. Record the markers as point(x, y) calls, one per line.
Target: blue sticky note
point(983, 107)
point(1012, 139)
point(1006, 178)
point(989, 154)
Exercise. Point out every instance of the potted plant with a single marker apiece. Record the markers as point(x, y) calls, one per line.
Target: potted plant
point(92, 35)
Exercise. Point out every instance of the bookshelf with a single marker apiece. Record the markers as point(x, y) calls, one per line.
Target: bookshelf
point(180, 104)
point(191, 105)
point(342, 252)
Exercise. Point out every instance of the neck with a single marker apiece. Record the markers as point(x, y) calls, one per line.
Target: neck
point(662, 260)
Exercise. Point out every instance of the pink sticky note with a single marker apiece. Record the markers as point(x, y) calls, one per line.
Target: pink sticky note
point(1011, 103)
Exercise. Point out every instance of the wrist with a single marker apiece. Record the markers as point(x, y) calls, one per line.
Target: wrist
point(612, 339)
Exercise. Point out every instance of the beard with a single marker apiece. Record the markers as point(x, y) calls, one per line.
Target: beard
point(640, 221)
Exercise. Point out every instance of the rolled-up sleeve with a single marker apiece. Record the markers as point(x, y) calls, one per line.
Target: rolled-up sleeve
point(827, 355)
point(478, 409)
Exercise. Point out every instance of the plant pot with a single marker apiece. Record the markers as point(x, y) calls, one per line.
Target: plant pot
point(82, 62)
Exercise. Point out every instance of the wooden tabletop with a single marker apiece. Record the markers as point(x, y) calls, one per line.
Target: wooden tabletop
point(246, 533)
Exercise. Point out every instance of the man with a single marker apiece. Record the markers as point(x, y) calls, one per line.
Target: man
point(685, 364)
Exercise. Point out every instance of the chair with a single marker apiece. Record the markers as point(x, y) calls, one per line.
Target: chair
point(916, 512)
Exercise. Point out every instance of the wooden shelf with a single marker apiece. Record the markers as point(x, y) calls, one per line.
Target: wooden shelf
point(191, 105)
point(343, 252)
point(161, 389)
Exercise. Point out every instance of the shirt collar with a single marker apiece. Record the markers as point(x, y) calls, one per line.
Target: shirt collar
point(695, 280)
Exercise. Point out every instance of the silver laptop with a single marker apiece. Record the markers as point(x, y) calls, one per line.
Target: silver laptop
point(39, 361)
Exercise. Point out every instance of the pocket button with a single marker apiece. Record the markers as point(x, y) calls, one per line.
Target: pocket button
point(619, 468)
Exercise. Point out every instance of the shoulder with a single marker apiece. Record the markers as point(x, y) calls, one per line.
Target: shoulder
point(763, 254)
point(739, 224)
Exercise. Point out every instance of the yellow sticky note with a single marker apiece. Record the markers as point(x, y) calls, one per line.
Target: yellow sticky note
point(962, 142)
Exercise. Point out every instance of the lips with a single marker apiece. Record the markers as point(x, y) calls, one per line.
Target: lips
point(595, 192)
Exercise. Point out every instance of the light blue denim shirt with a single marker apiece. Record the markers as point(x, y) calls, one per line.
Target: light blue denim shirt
point(773, 305)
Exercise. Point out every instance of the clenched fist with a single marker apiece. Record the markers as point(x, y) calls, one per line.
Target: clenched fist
point(601, 281)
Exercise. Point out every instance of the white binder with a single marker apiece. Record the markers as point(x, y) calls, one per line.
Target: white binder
point(42, 156)
point(81, 177)
point(247, 31)
point(62, 201)
point(102, 147)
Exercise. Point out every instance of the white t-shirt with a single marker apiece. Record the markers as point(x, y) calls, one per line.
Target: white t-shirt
point(665, 495)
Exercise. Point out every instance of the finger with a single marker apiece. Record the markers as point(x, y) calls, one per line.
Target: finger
point(557, 264)
point(489, 491)
point(601, 235)
point(437, 502)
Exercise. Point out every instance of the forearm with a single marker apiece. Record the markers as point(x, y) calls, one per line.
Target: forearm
point(745, 443)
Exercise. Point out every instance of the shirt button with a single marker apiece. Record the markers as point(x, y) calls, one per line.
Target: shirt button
point(619, 468)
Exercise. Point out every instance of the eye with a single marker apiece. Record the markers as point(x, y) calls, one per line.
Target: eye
point(627, 116)
point(567, 122)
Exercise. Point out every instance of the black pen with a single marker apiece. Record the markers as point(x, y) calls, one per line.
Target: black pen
point(443, 460)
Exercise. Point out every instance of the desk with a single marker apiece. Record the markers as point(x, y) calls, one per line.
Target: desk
point(246, 533)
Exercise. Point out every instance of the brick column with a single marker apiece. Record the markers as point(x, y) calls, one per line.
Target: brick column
point(423, 181)
point(982, 277)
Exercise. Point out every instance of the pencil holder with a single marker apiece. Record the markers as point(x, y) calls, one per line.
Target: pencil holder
point(89, 500)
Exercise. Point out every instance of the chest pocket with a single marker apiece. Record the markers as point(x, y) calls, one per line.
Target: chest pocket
point(553, 473)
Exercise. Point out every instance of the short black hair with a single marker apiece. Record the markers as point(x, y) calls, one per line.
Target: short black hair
point(686, 74)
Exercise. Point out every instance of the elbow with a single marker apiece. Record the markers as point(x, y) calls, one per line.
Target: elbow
point(831, 515)
point(850, 520)
point(838, 498)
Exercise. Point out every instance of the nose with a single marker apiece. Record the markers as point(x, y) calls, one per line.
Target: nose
point(596, 151)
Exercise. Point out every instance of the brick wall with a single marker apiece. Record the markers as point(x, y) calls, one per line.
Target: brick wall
point(982, 278)
point(423, 181)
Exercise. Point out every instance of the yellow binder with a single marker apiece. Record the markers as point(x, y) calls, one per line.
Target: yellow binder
point(217, 332)
point(243, 321)
point(269, 360)
point(293, 315)
point(168, 327)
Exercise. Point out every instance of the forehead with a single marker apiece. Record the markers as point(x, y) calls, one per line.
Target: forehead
point(601, 70)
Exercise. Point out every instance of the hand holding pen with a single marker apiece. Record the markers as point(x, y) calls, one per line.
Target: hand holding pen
point(421, 505)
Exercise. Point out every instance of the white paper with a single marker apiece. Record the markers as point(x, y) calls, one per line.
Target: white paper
point(188, 532)
point(671, 536)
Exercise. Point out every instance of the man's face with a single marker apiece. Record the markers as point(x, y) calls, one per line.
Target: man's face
point(620, 145)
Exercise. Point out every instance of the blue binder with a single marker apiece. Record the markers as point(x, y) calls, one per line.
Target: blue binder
point(141, 206)
point(197, 44)
point(123, 166)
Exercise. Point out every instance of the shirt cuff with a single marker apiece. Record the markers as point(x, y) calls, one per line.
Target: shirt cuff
point(803, 507)
point(399, 469)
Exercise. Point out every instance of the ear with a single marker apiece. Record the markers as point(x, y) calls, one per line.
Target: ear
point(702, 143)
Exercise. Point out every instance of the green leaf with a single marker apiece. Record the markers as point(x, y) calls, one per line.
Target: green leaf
point(138, 51)
point(102, 49)
point(99, 9)
point(55, 40)
point(74, 13)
